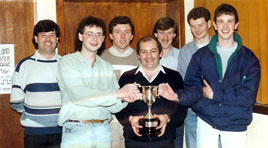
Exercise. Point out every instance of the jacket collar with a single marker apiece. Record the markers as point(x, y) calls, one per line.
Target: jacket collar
point(213, 42)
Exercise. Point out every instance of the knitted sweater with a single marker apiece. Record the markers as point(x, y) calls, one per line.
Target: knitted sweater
point(36, 95)
point(161, 106)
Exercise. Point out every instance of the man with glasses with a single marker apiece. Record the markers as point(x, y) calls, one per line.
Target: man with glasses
point(90, 90)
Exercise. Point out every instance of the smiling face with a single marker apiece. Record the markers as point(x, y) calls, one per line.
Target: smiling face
point(200, 28)
point(225, 26)
point(121, 36)
point(92, 38)
point(149, 55)
point(165, 37)
point(47, 42)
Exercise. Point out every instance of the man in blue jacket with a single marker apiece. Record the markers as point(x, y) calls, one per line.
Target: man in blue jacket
point(221, 82)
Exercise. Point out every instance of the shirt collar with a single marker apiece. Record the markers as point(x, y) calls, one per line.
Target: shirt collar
point(116, 53)
point(38, 56)
point(140, 69)
point(202, 45)
point(171, 52)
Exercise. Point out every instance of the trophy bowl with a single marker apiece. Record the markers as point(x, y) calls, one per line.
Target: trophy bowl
point(149, 122)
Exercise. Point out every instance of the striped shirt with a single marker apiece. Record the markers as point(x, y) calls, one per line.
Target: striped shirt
point(36, 95)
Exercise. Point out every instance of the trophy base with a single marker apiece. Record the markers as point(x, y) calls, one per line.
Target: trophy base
point(149, 127)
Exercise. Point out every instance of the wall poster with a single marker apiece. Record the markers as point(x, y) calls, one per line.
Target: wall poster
point(7, 67)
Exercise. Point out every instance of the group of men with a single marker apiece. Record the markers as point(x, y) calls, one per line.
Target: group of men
point(97, 100)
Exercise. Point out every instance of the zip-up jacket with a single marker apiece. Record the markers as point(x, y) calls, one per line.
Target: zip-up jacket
point(234, 92)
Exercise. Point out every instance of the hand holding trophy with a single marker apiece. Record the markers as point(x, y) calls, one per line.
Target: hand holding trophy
point(149, 122)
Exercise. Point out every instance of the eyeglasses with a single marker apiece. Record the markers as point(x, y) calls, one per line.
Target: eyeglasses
point(91, 35)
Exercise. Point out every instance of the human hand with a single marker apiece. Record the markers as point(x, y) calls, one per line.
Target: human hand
point(129, 93)
point(167, 92)
point(164, 119)
point(207, 90)
point(134, 121)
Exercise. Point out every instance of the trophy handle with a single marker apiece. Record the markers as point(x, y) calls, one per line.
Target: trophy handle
point(157, 90)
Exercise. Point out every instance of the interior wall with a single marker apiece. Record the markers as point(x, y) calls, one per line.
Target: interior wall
point(103, 10)
point(16, 24)
point(188, 5)
point(142, 13)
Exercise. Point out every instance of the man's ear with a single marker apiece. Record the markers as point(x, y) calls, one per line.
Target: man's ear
point(131, 37)
point(80, 37)
point(138, 57)
point(35, 38)
point(215, 26)
point(155, 34)
point(111, 36)
point(174, 35)
point(161, 54)
point(236, 25)
point(209, 24)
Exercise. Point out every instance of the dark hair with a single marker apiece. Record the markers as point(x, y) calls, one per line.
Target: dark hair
point(227, 10)
point(45, 26)
point(147, 39)
point(164, 23)
point(89, 21)
point(198, 12)
point(121, 20)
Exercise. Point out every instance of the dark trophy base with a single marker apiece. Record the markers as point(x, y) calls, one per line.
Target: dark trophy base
point(149, 127)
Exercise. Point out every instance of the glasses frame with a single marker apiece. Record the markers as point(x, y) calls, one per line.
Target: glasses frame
point(91, 35)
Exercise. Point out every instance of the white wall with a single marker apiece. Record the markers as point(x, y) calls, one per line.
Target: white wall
point(188, 5)
point(257, 130)
point(45, 9)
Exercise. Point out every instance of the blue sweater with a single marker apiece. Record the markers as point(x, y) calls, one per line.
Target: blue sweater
point(234, 92)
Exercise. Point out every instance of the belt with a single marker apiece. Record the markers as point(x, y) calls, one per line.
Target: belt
point(86, 121)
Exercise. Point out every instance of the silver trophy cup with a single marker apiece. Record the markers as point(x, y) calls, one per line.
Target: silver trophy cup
point(149, 122)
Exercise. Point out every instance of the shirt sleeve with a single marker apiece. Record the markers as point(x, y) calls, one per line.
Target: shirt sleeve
point(183, 61)
point(73, 79)
point(119, 105)
point(192, 91)
point(123, 115)
point(17, 95)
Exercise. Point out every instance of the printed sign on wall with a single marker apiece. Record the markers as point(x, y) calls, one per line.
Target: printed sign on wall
point(7, 65)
